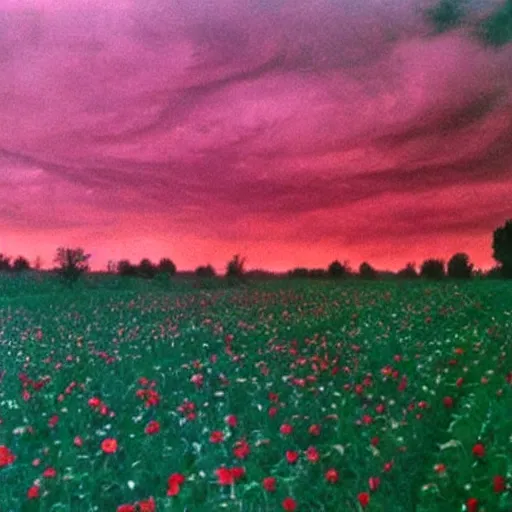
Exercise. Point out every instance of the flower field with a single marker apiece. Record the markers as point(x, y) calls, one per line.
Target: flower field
point(314, 396)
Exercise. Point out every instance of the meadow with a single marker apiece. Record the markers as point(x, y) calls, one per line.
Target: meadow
point(127, 395)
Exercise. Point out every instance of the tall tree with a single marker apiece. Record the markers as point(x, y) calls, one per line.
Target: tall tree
point(235, 266)
point(408, 272)
point(167, 266)
point(20, 264)
point(459, 266)
point(366, 271)
point(71, 263)
point(336, 269)
point(502, 248)
point(432, 269)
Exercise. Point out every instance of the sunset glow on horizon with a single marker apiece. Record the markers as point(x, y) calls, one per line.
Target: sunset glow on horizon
point(291, 132)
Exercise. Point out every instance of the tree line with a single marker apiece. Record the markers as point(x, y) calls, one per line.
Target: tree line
point(71, 263)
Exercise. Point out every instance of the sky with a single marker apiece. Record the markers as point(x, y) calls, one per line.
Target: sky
point(293, 132)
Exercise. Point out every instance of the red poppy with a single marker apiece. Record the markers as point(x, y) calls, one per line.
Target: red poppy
point(33, 492)
point(472, 505)
point(289, 504)
point(286, 429)
point(448, 402)
point(153, 427)
point(225, 476)
point(364, 499)
point(292, 457)
point(331, 475)
point(499, 484)
point(374, 483)
point(314, 430)
point(6, 456)
point(312, 454)
point(50, 473)
point(269, 484)
point(216, 437)
point(109, 445)
point(147, 505)
point(232, 420)
point(241, 449)
point(479, 450)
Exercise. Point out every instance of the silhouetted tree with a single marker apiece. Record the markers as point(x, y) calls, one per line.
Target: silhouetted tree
point(408, 272)
point(300, 272)
point(146, 269)
point(235, 267)
point(205, 271)
point(71, 263)
point(366, 271)
point(20, 264)
point(167, 266)
point(125, 268)
point(5, 263)
point(336, 269)
point(316, 273)
point(502, 248)
point(459, 266)
point(432, 269)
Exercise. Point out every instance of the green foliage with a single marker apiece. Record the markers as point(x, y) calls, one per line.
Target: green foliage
point(446, 15)
point(328, 352)
point(502, 247)
point(459, 266)
point(71, 263)
point(497, 29)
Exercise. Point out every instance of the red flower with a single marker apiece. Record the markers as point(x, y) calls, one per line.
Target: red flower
point(174, 482)
point(314, 430)
point(292, 457)
point(286, 429)
point(33, 492)
point(269, 484)
point(216, 436)
point(272, 411)
point(53, 421)
point(472, 505)
point(312, 454)
point(367, 419)
point(238, 472)
point(448, 402)
point(225, 476)
point(374, 483)
point(499, 484)
point(49, 473)
point(440, 468)
point(479, 450)
point(331, 475)
point(94, 402)
point(6, 456)
point(147, 505)
point(232, 420)
point(77, 441)
point(109, 445)
point(126, 508)
point(241, 449)
point(289, 504)
point(364, 499)
point(153, 427)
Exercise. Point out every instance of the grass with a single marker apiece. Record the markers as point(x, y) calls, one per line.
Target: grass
point(361, 380)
